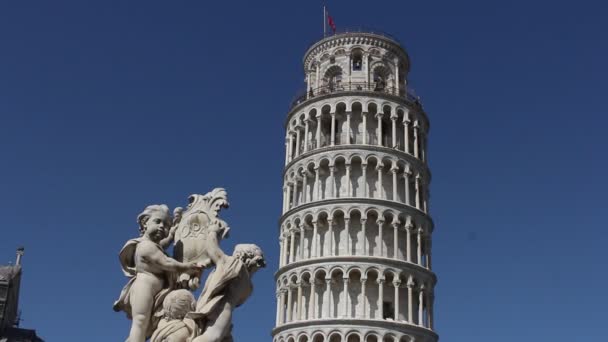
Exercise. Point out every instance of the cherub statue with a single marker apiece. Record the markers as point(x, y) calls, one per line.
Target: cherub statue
point(175, 326)
point(151, 271)
point(226, 288)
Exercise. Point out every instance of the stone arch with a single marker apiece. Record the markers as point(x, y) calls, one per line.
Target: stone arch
point(372, 336)
point(353, 336)
point(318, 337)
point(334, 336)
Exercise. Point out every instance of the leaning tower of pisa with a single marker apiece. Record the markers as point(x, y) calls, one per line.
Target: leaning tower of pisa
point(355, 231)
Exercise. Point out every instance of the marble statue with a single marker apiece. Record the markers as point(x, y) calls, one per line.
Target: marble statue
point(150, 270)
point(157, 297)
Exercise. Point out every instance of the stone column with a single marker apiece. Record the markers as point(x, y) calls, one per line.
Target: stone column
point(364, 119)
point(381, 298)
point(345, 281)
point(347, 229)
point(429, 309)
point(419, 249)
point(286, 151)
point(397, 77)
point(302, 231)
point(410, 300)
point(422, 146)
point(327, 301)
point(281, 251)
point(277, 320)
point(330, 226)
point(416, 151)
point(288, 195)
point(394, 132)
point(379, 130)
point(348, 185)
point(289, 305)
point(315, 238)
point(284, 199)
point(395, 239)
point(380, 223)
point(406, 177)
point(364, 239)
point(306, 128)
point(292, 247)
point(421, 306)
point(318, 76)
point(304, 186)
point(429, 265)
point(313, 300)
point(409, 231)
point(332, 180)
point(394, 172)
point(380, 187)
point(282, 307)
point(318, 133)
point(364, 298)
point(417, 186)
point(299, 301)
point(348, 115)
point(317, 187)
point(291, 152)
point(298, 137)
point(425, 196)
point(364, 178)
point(294, 193)
point(406, 132)
point(396, 284)
point(285, 250)
point(333, 129)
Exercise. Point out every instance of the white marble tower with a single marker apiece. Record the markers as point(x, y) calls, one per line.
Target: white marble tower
point(355, 231)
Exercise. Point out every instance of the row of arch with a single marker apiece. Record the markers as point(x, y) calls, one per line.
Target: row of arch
point(355, 176)
point(347, 122)
point(359, 291)
point(358, 231)
point(336, 335)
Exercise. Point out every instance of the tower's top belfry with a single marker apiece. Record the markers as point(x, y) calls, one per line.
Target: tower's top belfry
point(380, 47)
point(356, 62)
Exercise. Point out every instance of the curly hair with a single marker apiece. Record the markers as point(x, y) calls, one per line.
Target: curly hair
point(177, 304)
point(143, 217)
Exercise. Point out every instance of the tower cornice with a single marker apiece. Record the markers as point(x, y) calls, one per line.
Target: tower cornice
point(357, 38)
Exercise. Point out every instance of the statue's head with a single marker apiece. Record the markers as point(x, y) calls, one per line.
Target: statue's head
point(177, 304)
point(154, 222)
point(251, 255)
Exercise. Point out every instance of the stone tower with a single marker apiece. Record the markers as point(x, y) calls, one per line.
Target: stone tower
point(355, 231)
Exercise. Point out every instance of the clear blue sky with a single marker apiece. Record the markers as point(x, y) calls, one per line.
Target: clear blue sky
point(108, 106)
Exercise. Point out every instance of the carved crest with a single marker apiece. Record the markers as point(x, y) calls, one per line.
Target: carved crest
point(197, 222)
point(207, 208)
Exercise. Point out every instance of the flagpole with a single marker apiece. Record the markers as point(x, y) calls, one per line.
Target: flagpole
point(324, 20)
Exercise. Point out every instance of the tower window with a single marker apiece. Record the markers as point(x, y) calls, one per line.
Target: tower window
point(357, 61)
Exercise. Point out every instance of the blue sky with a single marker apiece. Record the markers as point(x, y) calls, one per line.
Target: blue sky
point(108, 106)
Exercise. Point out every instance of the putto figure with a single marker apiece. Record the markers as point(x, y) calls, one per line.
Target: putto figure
point(227, 288)
point(175, 326)
point(157, 297)
point(151, 271)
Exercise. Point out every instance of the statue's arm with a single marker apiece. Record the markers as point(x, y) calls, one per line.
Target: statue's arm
point(164, 243)
point(154, 256)
point(213, 248)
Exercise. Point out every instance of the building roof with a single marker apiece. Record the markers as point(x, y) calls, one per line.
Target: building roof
point(8, 272)
point(19, 335)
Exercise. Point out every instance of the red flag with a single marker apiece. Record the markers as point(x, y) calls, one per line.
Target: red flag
point(331, 23)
